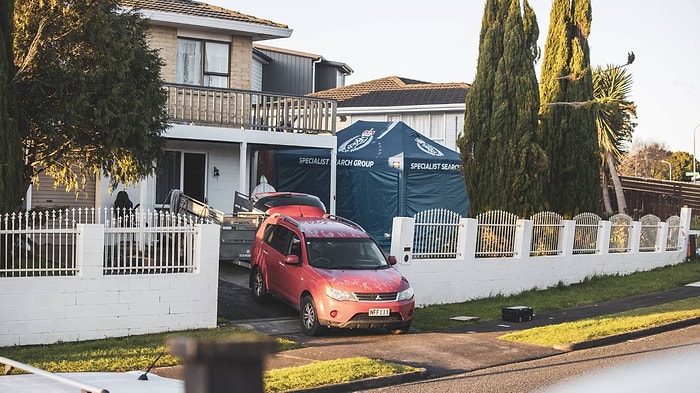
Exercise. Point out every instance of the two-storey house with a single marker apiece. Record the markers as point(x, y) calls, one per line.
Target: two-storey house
point(222, 115)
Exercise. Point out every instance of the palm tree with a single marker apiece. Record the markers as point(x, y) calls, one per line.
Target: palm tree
point(614, 119)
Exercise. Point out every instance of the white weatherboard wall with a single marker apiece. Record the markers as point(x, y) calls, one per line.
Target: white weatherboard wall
point(44, 310)
point(444, 281)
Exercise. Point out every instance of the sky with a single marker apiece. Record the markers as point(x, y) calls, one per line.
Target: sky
point(438, 41)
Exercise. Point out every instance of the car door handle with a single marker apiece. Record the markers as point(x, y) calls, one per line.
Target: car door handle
point(281, 263)
point(265, 252)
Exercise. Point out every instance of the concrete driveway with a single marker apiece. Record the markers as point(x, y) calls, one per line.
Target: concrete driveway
point(236, 301)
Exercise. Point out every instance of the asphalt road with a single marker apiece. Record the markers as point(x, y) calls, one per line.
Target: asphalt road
point(665, 362)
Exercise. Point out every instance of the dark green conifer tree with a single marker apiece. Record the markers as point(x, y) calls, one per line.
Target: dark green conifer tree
point(567, 116)
point(503, 164)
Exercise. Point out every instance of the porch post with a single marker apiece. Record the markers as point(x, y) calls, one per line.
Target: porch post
point(243, 169)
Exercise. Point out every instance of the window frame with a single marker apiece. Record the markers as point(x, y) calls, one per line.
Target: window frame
point(203, 73)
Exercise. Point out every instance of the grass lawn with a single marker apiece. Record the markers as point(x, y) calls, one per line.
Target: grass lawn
point(609, 325)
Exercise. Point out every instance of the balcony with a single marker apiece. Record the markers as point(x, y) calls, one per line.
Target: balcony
point(249, 110)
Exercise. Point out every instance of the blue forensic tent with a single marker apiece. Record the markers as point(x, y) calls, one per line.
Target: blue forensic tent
point(384, 170)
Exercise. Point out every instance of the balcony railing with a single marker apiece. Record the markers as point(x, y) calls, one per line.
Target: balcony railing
point(252, 110)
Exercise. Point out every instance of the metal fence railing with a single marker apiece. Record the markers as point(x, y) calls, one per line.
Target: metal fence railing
point(586, 233)
point(649, 231)
point(39, 243)
point(620, 232)
point(435, 234)
point(147, 242)
point(137, 241)
point(674, 233)
point(43, 243)
point(496, 234)
point(546, 231)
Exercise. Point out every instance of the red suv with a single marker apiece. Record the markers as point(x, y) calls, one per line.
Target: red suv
point(330, 270)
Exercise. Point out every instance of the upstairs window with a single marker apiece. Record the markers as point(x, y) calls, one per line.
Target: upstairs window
point(204, 63)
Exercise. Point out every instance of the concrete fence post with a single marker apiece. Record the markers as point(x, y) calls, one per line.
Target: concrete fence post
point(523, 238)
point(603, 241)
point(635, 237)
point(662, 237)
point(90, 250)
point(402, 239)
point(567, 237)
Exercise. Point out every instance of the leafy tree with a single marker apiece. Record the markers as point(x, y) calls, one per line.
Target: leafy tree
point(614, 120)
point(568, 128)
point(502, 163)
point(644, 160)
point(681, 163)
point(11, 164)
point(88, 93)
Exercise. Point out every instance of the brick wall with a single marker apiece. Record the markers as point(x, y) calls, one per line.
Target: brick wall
point(241, 63)
point(164, 39)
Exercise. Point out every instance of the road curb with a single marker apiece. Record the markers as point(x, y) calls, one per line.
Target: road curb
point(368, 383)
point(628, 336)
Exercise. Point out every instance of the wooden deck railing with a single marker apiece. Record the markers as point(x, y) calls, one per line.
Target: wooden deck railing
point(251, 110)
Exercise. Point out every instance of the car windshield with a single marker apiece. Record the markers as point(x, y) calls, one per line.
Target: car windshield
point(357, 254)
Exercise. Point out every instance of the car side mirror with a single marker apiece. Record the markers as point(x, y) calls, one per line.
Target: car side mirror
point(392, 260)
point(291, 259)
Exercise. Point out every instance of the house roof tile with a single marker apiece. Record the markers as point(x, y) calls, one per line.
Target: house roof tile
point(396, 91)
point(195, 8)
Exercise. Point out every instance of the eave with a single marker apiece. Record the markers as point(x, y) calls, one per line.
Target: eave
point(258, 32)
point(401, 109)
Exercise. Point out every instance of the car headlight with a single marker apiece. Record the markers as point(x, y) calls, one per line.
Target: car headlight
point(406, 294)
point(340, 295)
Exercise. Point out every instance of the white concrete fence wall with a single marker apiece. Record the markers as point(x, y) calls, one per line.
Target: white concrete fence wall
point(91, 305)
point(94, 305)
point(454, 280)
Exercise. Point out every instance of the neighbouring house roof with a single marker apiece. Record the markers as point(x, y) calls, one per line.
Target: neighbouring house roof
point(165, 10)
point(396, 91)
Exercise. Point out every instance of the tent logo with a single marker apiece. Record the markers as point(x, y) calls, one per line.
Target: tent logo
point(357, 142)
point(427, 148)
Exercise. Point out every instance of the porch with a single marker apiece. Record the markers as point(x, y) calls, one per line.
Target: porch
point(249, 122)
point(250, 110)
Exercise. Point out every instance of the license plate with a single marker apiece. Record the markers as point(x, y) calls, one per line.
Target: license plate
point(379, 312)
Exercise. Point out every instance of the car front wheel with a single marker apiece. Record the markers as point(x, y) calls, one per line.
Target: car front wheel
point(259, 289)
point(309, 317)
